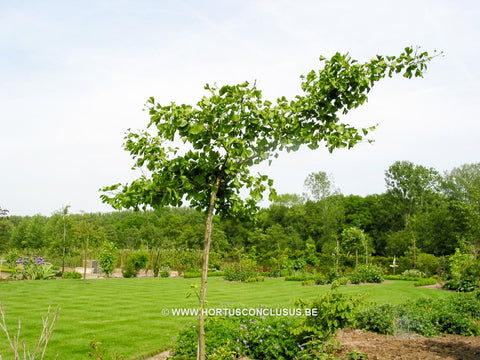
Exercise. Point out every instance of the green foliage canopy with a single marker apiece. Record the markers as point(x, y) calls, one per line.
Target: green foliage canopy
point(411, 185)
point(107, 258)
point(234, 128)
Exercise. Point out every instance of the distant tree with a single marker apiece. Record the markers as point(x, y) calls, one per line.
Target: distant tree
point(34, 233)
point(397, 243)
point(17, 237)
point(321, 189)
point(443, 224)
point(6, 228)
point(463, 183)
point(320, 186)
point(410, 185)
point(233, 129)
point(3, 212)
point(289, 200)
point(358, 211)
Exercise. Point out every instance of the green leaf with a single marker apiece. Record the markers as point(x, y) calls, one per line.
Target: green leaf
point(196, 129)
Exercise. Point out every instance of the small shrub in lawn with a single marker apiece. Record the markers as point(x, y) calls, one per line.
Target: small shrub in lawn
point(107, 257)
point(216, 273)
point(333, 275)
point(274, 273)
point(129, 270)
point(255, 279)
point(235, 274)
point(299, 277)
point(192, 274)
point(135, 262)
point(72, 275)
point(393, 277)
point(308, 283)
point(413, 273)
point(400, 277)
point(164, 273)
point(321, 280)
point(425, 282)
point(366, 274)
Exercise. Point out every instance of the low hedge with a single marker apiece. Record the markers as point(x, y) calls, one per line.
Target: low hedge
point(425, 282)
point(197, 274)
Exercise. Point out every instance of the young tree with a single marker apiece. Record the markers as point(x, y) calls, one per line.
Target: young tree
point(64, 213)
point(321, 188)
point(233, 129)
point(107, 257)
point(354, 241)
point(55, 232)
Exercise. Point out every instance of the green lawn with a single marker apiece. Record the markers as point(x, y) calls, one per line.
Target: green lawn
point(127, 316)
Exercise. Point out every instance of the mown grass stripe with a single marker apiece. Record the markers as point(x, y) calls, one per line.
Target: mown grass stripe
point(125, 315)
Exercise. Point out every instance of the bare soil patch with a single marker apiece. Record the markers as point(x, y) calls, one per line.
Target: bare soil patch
point(162, 356)
point(409, 346)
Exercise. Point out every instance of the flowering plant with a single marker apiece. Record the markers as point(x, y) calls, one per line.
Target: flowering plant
point(257, 337)
point(33, 268)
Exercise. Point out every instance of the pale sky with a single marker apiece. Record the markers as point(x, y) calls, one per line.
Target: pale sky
point(74, 76)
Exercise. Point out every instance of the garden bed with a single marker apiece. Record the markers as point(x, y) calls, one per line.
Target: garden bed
point(409, 346)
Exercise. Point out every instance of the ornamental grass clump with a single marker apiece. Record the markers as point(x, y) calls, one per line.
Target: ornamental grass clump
point(19, 348)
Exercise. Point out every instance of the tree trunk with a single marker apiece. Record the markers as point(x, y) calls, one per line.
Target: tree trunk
point(85, 261)
point(337, 255)
point(64, 242)
point(366, 252)
point(203, 286)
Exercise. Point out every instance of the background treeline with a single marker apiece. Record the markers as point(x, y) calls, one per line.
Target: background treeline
point(421, 211)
